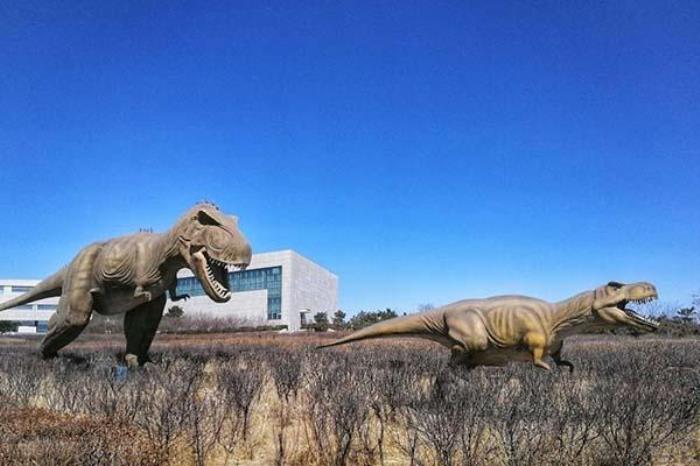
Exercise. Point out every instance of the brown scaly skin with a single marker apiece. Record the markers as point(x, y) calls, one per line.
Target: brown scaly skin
point(131, 274)
point(494, 331)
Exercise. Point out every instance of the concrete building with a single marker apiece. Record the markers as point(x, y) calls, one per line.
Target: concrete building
point(33, 317)
point(277, 288)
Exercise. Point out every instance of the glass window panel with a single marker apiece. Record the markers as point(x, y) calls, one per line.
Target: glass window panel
point(21, 289)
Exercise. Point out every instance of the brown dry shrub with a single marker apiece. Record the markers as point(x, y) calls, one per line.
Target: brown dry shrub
point(629, 401)
point(37, 436)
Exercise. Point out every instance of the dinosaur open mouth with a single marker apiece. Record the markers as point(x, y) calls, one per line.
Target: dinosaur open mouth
point(217, 276)
point(214, 275)
point(640, 319)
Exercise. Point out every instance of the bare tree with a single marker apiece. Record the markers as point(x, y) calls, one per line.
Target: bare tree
point(286, 367)
point(239, 383)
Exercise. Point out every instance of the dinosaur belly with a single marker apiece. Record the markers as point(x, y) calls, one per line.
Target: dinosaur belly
point(117, 301)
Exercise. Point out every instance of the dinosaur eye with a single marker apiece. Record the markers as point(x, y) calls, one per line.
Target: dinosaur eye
point(205, 219)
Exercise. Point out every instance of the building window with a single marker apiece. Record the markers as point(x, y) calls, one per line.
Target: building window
point(190, 286)
point(46, 307)
point(21, 289)
point(24, 307)
point(269, 278)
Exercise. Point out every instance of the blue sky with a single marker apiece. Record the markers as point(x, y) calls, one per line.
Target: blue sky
point(425, 152)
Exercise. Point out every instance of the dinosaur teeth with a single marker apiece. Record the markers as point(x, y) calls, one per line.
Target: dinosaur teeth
point(216, 286)
point(649, 320)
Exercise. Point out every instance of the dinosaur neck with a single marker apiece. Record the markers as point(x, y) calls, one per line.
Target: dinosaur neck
point(169, 249)
point(573, 314)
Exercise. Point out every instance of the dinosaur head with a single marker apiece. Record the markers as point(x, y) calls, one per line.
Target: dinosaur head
point(210, 242)
point(610, 305)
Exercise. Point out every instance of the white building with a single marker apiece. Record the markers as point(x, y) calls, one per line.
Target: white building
point(33, 317)
point(276, 289)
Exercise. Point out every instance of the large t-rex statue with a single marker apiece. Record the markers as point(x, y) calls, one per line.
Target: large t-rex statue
point(131, 274)
point(494, 331)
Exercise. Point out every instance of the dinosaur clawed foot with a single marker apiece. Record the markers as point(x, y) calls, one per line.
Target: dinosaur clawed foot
point(566, 364)
point(134, 362)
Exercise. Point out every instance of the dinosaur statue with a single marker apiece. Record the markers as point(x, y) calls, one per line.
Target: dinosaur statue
point(131, 274)
point(494, 331)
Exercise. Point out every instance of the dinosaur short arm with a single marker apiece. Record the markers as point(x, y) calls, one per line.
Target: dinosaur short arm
point(139, 292)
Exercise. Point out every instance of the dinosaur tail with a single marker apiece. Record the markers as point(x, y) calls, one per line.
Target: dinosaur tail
point(48, 288)
point(428, 325)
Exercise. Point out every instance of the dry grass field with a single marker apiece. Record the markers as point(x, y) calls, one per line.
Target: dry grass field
point(265, 398)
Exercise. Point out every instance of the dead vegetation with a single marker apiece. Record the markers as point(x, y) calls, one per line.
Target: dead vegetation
point(273, 399)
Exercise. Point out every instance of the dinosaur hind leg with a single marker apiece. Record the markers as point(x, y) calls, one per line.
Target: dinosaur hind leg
point(468, 334)
point(74, 306)
point(556, 356)
point(536, 343)
point(72, 316)
point(140, 326)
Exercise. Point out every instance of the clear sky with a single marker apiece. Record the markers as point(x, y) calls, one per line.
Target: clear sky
point(423, 151)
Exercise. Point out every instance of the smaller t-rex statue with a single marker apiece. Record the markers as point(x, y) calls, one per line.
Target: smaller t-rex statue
point(131, 274)
point(494, 331)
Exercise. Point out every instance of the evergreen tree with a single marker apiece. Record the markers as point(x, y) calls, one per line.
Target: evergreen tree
point(338, 319)
point(321, 321)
